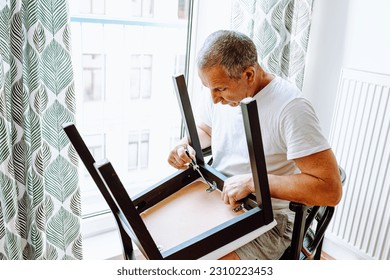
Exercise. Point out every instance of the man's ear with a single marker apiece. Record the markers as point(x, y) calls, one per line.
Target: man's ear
point(249, 73)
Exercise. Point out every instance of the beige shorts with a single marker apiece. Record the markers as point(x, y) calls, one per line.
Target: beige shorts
point(270, 245)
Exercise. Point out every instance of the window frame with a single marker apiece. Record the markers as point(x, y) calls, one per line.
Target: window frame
point(101, 222)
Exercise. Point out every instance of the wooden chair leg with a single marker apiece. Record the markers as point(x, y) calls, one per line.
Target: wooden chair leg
point(317, 255)
point(298, 230)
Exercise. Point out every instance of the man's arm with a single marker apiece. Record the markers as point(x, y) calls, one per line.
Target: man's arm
point(204, 133)
point(318, 183)
point(178, 158)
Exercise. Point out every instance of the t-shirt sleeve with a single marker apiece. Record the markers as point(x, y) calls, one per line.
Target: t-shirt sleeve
point(300, 130)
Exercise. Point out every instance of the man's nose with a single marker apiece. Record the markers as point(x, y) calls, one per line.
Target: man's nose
point(216, 97)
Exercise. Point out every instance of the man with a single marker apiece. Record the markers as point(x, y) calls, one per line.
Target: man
point(300, 164)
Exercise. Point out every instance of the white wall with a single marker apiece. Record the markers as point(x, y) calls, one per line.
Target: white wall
point(368, 41)
point(344, 34)
point(325, 55)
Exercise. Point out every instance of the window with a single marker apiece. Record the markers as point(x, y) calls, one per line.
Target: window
point(180, 63)
point(92, 6)
point(124, 54)
point(96, 144)
point(142, 8)
point(93, 77)
point(138, 151)
point(140, 76)
point(175, 136)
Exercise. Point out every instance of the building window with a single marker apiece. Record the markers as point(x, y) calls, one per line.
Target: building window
point(140, 76)
point(97, 150)
point(96, 7)
point(96, 144)
point(138, 151)
point(93, 77)
point(142, 8)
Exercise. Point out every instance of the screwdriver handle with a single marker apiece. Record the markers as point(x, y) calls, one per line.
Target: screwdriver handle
point(188, 155)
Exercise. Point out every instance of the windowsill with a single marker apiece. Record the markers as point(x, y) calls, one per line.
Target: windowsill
point(101, 239)
point(104, 246)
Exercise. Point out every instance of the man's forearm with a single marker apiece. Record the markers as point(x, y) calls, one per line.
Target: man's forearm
point(204, 138)
point(304, 188)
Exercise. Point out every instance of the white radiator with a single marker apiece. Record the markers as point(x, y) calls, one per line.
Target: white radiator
point(361, 142)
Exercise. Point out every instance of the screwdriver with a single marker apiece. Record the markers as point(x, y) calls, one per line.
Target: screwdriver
point(212, 187)
point(195, 166)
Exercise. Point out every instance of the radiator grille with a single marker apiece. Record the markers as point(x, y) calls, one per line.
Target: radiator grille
point(360, 139)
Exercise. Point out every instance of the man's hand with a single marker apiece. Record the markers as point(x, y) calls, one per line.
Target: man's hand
point(178, 158)
point(236, 188)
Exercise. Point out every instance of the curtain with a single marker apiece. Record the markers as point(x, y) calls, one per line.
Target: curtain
point(39, 193)
point(280, 30)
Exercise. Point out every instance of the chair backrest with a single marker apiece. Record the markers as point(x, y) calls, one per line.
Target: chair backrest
point(88, 160)
point(310, 224)
point(126, 212)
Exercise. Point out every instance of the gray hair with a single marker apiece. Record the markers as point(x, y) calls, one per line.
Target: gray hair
point(232, 50)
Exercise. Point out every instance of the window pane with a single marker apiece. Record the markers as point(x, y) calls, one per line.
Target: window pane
point(93, 77)
point(179, 64)
point(133, 155)
point(147, 8)
point(135, 60)
point(90, 201)
point(146, 83)
point(140, 76)
point(144, 150)
point(144, 154)
point(98, 6)
point(136, 8)
point(123, 76)
point(174, 135)
point(96, 145)
point(135, 83)
point(147, 61)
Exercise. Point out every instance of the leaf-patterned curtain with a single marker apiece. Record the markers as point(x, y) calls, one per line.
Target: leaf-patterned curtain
point(39, 192)
point(280, 29)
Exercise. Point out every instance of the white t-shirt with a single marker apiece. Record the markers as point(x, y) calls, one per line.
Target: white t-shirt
point(289, 127)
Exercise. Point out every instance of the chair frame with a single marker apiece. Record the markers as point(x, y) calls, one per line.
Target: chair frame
point(127, 210)
point(306, 244)
point(88, 161)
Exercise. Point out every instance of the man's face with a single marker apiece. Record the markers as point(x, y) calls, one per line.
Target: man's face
point(222, 88)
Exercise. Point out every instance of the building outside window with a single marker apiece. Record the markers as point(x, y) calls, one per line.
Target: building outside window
point(125, 53)
point(142, 8)
point(96, 144)
point(140, 79)
point(138, 151)
point(93, 7)
point(93, 77)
